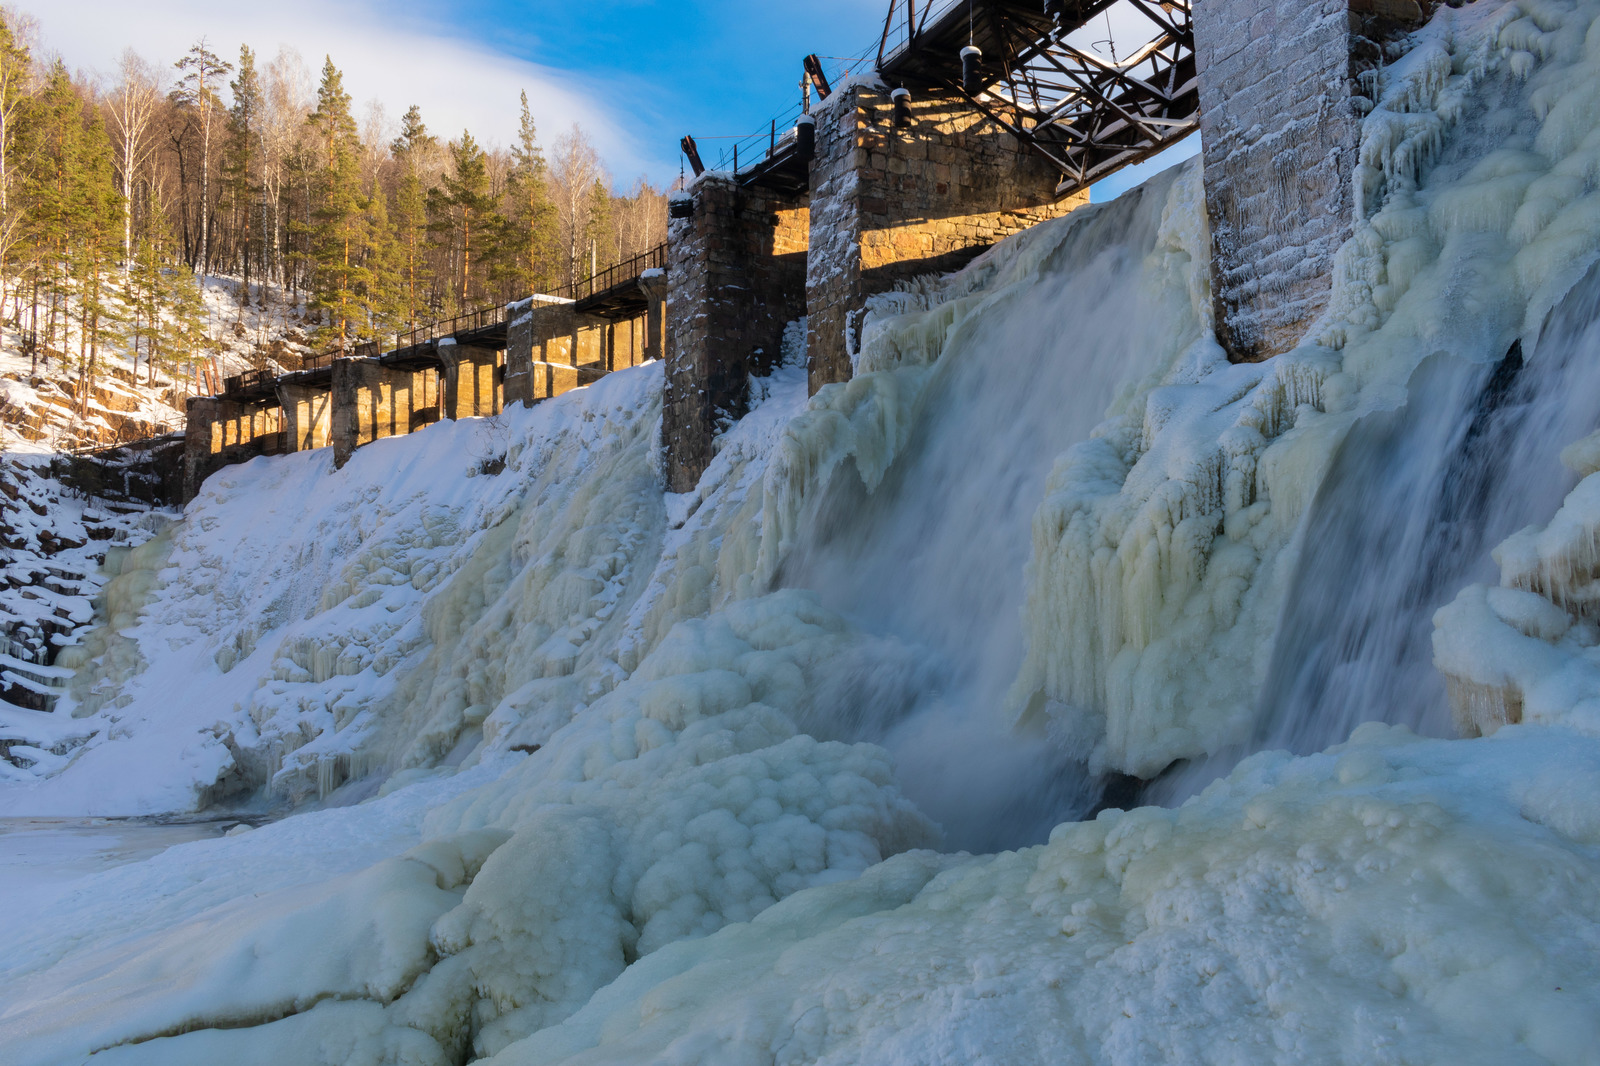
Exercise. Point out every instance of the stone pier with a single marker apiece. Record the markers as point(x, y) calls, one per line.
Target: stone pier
point(307, 415)
point(552, 347)
point(471, 381)
point(370, 401)
point(889, 204)
point(221, 432)
point(736, 275)
point(1283, 87)
point(654, 286)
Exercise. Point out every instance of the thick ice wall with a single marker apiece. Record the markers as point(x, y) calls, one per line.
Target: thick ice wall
point(1170, 544)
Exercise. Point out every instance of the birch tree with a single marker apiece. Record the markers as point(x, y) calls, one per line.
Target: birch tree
point(132, 107)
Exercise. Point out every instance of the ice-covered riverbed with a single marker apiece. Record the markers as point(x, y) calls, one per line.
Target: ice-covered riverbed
point(39, 855)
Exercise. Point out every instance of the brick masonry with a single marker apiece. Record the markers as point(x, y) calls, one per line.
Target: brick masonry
point(736, 275)
point(1281, 100)
point(889, 204)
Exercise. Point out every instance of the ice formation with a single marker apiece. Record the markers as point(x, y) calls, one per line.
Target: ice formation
point(603, 776)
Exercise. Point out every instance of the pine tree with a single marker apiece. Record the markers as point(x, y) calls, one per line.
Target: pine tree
point(600, 228)
point(144, 299)
point(528, 228)
point(411, 212)
point(55, 194)
point(244, 121)
point(383, 292)
point(184, 331)
point(463, 206)
point(203, 71)
point(16, 92)
point(333, 121)
point(97, 240)
point(338, 232)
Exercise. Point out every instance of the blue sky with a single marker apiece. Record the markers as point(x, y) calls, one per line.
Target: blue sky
point(635, 74)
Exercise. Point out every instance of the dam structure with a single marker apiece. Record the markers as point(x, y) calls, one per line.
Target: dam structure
point(964, 124)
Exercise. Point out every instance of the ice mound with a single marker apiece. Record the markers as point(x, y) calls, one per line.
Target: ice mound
point(1525, 651)
point(684, 800)
point(1369, 904)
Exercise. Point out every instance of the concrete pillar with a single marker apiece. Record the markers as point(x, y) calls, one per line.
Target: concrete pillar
point(308, 415)
point(1282, 86)
point(471, 381)
point(370, 401)
point(735, 277)
point(889, 204)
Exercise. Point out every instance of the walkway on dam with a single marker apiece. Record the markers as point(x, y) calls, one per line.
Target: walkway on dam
point(470, 365)
point(614, 294)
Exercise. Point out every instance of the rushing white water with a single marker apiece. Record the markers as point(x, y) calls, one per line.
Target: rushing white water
point(1413, 504)
point(934, 558)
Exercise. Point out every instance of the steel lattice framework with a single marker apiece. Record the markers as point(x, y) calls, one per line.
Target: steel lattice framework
point(1088, 114)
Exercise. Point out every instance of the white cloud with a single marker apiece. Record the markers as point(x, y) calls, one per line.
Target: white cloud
point(458, 83)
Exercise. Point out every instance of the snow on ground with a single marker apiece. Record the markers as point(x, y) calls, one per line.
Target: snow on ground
point(38, 406)
point(550, 717)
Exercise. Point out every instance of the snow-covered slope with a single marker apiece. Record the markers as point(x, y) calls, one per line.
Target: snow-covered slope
point(39, 396)
point(605, 776)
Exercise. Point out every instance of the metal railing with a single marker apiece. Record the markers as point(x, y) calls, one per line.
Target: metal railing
point(612, 276)
point(739, 153)
point(479, 318)
point(248, 379)
point(900, 34)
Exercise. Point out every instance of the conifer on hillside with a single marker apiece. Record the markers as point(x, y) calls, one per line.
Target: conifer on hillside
point(339, 232)
point(528, 230)
point(111, 201)
point(411, 213)
point(239, 168)
point(463, 208)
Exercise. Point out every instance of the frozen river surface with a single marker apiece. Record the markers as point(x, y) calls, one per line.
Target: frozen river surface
point(38, 855)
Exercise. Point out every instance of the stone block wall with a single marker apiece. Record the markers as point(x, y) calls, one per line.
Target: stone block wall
point(736, 275)
point(370, 401)
point(890, 204)
point(1281, 100)
point(221, 432)
point(307, 416)
point(551, 347)
point(471, 381)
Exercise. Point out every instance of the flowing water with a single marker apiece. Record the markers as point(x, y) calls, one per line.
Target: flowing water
point(933, 561)
point(1415, 503)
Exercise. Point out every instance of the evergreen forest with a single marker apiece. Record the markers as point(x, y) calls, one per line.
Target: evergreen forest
point(119, 194)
